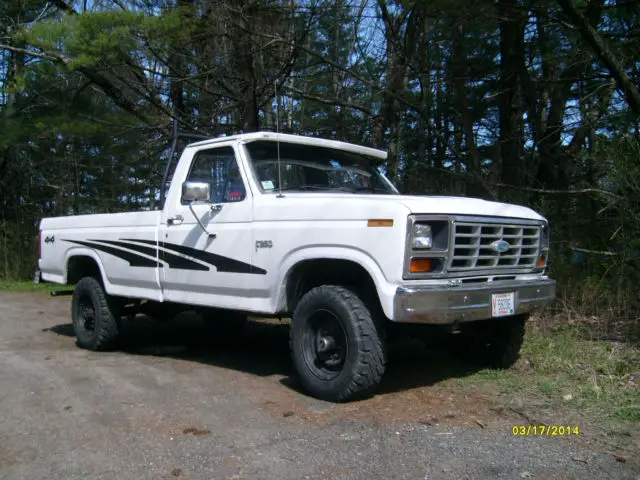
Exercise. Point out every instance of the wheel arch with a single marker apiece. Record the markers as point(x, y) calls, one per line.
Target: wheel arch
point(83, 262)
point(311, 267)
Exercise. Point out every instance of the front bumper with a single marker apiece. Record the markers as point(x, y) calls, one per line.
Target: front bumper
point(442, 304)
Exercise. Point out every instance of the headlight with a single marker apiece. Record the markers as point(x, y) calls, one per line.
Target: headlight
point(422, 236)
point(545, 237)
point(544, 247)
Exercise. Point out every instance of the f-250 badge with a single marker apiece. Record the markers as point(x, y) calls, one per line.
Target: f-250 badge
point(263, 244)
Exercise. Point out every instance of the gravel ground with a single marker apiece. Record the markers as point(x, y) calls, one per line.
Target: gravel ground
point(178, 404)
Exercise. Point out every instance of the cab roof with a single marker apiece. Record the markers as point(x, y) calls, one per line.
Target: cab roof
point(289, 138)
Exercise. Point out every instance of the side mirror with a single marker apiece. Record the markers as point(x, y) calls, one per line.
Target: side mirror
point(196, 192)
point(193, 192)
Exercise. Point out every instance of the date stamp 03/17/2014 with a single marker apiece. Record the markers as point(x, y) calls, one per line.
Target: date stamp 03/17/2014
point(545, 430)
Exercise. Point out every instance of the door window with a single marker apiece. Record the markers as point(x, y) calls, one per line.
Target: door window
point(218, 167)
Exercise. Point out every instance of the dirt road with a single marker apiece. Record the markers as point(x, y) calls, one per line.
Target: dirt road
point(176, 403)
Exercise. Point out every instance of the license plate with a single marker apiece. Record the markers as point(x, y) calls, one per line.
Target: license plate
point(503, 304)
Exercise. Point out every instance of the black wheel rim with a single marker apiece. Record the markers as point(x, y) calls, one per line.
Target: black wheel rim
point(325, 345)
point(86, 315)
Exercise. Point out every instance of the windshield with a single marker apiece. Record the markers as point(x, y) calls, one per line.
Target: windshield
point(311, 168)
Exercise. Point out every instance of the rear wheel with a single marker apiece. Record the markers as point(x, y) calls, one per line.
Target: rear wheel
point(492, 343)
point(95, 316)
point(337, 346)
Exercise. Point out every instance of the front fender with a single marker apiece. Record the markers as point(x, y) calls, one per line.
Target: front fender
point(384, 289)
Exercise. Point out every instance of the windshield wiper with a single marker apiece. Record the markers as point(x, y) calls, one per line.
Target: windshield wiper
point(372, 189)
point(313, 187)
point(337, 189)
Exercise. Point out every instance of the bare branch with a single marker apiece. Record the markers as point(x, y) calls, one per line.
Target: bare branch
point(31, 53)
point(64, 7)
point(604, 54)
point(42, 13)
point(596, 252)
point(329, 101)
point(581, 191)
point(557, 192)
point(121, 5)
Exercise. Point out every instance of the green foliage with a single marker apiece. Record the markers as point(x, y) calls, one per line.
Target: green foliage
point(86, 39)
point(22, 286)
point(561, 370)
point(600, 376)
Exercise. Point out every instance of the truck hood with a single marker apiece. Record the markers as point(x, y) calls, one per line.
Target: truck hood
point(466, 206)
point(339, 206)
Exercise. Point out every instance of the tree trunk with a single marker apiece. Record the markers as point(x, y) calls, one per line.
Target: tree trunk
point(512, 24)
point(248, 103)
point(334, 113)
point(464, 121)
point(604, 54)
point(177, 69)
point(399, 48)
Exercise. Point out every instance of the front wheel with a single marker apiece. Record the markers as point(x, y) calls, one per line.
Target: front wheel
point(337, 346)
point(492, 343)
point(95, 316)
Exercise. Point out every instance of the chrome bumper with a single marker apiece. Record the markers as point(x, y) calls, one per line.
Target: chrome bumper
point(444, 305)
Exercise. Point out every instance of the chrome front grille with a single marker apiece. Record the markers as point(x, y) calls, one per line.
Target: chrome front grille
point(474, 247)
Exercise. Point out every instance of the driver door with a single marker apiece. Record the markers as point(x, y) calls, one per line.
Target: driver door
point(198, 268)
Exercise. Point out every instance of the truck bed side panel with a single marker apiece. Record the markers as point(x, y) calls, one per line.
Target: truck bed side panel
point(130, 268)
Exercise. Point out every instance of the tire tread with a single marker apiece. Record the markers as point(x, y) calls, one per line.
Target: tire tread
point(370, 366)
point(107, 317)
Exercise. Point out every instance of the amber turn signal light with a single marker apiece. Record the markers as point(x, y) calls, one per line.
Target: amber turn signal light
point(542, 261)
point(420, 265)
point(380, 222)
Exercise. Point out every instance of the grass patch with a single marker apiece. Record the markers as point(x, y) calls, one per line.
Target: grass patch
point(600, 379)
point(25, 286)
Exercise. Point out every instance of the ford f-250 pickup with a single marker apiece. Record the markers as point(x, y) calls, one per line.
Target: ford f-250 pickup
point(309, 229)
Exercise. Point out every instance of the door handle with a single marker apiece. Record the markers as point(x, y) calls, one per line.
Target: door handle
point(177, 220)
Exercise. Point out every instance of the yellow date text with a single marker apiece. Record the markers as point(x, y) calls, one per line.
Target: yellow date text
point(545, 430)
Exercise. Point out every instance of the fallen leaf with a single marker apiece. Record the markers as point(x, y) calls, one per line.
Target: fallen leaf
point(429, 421)
point(196, 431)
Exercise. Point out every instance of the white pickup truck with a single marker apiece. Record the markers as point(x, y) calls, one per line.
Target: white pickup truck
point(278, 225)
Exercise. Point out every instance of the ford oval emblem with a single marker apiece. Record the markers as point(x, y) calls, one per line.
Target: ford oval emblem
point(500, 246)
